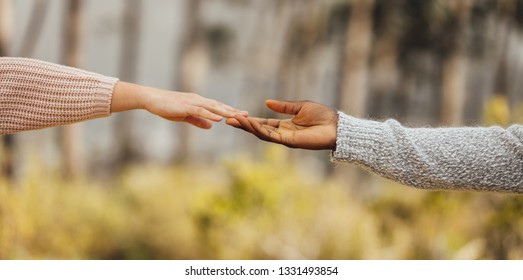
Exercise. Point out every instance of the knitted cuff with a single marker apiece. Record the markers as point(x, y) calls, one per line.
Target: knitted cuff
point(101, 106)
point(357, 140)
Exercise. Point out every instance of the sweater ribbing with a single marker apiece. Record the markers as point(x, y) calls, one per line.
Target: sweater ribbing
point(35, 94)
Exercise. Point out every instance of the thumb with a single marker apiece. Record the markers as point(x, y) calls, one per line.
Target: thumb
point(285, 107)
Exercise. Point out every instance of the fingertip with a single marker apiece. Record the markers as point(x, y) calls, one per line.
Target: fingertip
point(274, 105)
point(269, 102)
point(232, 122)
point(285, 107)
point(217, 119)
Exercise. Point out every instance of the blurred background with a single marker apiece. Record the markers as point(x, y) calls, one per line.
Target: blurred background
point(134, 186)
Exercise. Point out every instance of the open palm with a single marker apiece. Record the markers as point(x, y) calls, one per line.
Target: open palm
point(313, 125)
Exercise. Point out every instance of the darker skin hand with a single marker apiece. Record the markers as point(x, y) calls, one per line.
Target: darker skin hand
point(313, 126)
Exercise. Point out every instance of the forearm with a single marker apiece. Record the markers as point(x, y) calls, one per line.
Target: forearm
point(36, 94)
point(486, 159)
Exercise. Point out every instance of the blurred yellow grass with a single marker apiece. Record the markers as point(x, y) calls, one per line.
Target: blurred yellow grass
point(247, 209)
point(497, 111)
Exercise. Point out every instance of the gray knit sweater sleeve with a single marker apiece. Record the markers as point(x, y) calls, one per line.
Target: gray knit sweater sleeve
point(467, 158)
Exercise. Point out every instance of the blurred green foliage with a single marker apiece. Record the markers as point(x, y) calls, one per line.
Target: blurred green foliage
point(248, 209)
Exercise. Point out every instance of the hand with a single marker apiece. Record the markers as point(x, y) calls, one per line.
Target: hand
point(174, 106)
point(313, 126)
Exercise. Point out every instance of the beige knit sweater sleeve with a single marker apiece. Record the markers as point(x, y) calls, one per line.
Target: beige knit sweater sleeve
point(36, 94)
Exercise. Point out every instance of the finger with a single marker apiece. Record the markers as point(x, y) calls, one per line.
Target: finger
point(265, 132)
point(217, 107)
point(201, 112)
point(233, 122)
point(263, 123)
point(245, 124)
point(271, 122)
point(285, 107)
point(198, 122)
point(236, 111)
point(221, 109)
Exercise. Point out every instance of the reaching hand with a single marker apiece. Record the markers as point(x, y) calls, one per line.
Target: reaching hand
point(313, 126)
point(188, 107)
point(175, 106)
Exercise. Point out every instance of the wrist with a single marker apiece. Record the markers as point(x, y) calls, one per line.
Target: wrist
point(128, 96)
point(335, 134)
point(333, 130)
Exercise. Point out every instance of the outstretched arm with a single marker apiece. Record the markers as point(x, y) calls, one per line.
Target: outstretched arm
point(35, 94)
point(174, 106)
point(467, 158)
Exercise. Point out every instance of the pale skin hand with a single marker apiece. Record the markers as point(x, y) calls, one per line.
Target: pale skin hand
point(174, 106)
point(313, 126)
